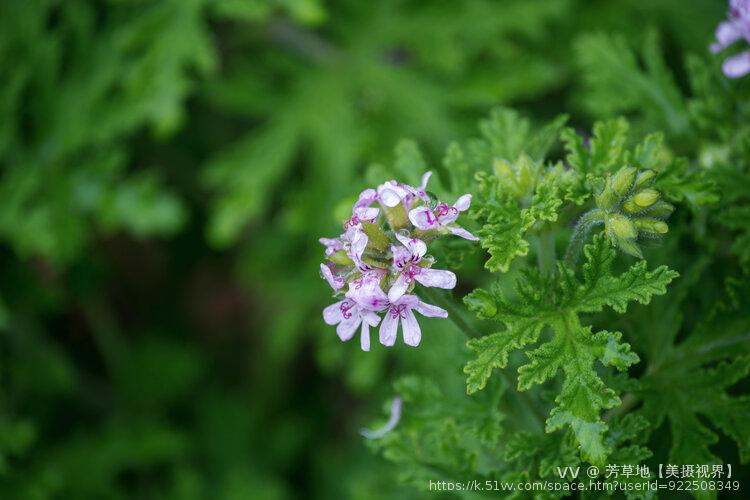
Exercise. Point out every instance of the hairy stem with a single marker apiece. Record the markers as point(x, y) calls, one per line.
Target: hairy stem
point(580, 233)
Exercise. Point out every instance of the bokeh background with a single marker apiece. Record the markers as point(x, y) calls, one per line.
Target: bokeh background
point(166, 170)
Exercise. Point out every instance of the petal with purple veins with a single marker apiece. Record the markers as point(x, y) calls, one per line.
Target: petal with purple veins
point(388, 329)
point(410, 327)
point(436, 278)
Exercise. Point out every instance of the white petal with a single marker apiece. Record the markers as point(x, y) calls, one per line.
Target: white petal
point(346, 328)
point(389, 198)
point(412, 332)
point(463, 202)
point(463, 233)
point(390, 425)
point(398, 288)
point(335, 281)
point(370, 318)
point(436, 278)
point(367, 213)
point(414, 245)
point(367, 292)
point(425, 179)
point(364, 338)
point(737, 66)
point(388, 329)
point(332, 314)
point(430, 311)
point(422, 218)
point(726, 34)
point(366, 198)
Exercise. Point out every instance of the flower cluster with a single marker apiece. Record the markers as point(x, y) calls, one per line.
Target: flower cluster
point(376, 263)
point(629, 207)
point(730, 31)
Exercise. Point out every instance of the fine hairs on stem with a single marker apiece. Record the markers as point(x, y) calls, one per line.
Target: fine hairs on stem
point(580, 233)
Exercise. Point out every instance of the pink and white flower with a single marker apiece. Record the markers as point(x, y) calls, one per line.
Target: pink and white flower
point(370, 268)
point(730, 31)
point(363, 299)
point(391, 193)
point(362, 211)
point(333, 275)
point(406, 260)
point(348, 315)
point(401, 312)
point(443, 216)
point(332, 245)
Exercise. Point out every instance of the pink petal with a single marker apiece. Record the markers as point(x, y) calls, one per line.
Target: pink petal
point(463, 233)
point(366, 198)
point(422, 218)
point(412, 332)
point(463, 202)
point(436, 278)
point(367, 213)
point(425, 179)
point(430, 311)
point(358, 240)
point(336, 282)
point(416, 246)
point(364, 338)
point(737, 66)
point(346, 328)
point(366, 292)
point(398, 289)
point(370, 318)
point(390, 425)
point(388, 328)
point(332, 314)
point(726, 34)
point(400, 255)
point(408, 301)
point(389, 198)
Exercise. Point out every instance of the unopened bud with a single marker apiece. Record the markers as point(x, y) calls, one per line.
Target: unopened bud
point(644, 178)
point(607, 199)
point(646, 198)
point(650, 225)
point(661, 210)
point(623, 180)
point(630, 207)
point(622, 227)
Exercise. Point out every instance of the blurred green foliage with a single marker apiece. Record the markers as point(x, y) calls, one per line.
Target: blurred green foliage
point(166, 168)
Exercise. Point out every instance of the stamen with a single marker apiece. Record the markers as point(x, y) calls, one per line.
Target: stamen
point(345, 307)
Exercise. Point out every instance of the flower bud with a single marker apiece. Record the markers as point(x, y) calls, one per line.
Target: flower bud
point(630, 207)
point(661, 210)
point(651, 225)
point(622, 181)
point(607, 199)
point(645, 198)
point(622, 227)
point(644, 178)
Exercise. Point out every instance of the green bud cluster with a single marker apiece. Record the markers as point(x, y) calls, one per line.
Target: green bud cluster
point(631, 208)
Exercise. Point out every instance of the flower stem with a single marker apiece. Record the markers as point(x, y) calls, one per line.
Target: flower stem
point(580, 232)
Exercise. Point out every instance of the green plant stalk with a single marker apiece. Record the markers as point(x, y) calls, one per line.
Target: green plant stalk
point(580, 233)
